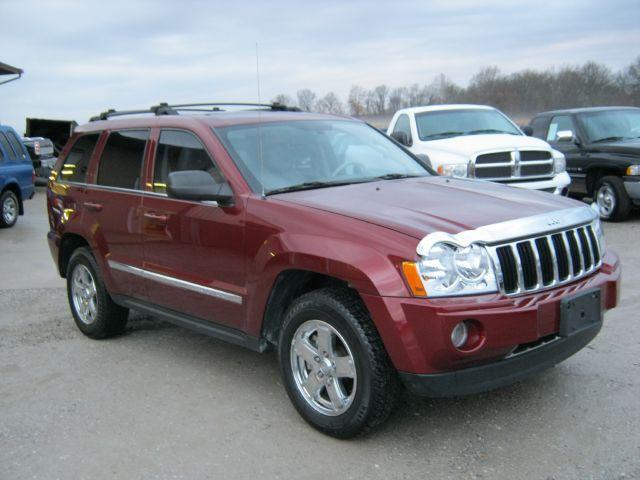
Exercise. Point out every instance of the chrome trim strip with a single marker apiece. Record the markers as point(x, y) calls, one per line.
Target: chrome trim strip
point(552, 249)
point(176, 282)
point(526, 227)
point(536, 255)
point(516, 256)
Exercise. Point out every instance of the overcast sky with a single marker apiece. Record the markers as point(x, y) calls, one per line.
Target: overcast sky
point(83, 57)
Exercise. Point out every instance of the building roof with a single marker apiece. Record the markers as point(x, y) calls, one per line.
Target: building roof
point(9, 70)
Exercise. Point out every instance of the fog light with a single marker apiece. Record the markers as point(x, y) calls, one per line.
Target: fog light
point(459, 335)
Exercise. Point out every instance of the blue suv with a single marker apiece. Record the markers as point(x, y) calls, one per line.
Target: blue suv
point(16, 177)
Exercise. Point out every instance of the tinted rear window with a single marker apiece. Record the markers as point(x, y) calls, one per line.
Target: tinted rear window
point(15, 143)
point(122, 157)
point(5, 145)
point(75, 166)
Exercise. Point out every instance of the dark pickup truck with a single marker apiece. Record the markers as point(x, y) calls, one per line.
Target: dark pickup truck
point(42, 155)
point(602, 148)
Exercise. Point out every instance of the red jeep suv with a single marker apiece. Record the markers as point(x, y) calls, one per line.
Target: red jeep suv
point(319, 236)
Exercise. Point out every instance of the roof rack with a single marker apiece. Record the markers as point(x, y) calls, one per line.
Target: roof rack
point(166, 109)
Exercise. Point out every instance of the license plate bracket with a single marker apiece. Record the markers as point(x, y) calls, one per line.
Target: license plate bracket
point(579, 312)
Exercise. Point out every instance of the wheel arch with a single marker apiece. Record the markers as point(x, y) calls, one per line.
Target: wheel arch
point(68, 244)
point(596, 172)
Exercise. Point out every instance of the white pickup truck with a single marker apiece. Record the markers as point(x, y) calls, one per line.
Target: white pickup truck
point(476, 141)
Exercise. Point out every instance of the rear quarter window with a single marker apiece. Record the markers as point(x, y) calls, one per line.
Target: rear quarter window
point(75, 165)
point(16, 144)
point(121, 159)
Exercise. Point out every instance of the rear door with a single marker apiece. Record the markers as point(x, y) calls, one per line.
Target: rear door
point(113, 209)
point(193, 251)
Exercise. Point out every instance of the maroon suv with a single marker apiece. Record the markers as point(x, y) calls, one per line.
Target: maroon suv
point(323, 238)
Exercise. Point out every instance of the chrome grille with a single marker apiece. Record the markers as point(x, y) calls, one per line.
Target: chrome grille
point(512, 165)
point(546, 261)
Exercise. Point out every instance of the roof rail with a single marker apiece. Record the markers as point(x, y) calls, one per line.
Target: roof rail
point(166, 109)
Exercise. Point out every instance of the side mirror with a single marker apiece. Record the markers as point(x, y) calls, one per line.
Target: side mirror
point(565, 136)
point(527, 130)
point(198, 185)
point(401, 137)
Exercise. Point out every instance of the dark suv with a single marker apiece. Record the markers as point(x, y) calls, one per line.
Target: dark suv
point(602, 148)
point(321, 237)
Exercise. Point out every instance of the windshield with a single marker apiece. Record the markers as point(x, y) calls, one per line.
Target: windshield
point(611, 125)
point(287, 156)
point(452, 123)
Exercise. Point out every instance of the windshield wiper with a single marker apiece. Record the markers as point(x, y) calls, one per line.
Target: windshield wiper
point(608, 139)
point(444, 134)
point(311, 185)
point(489, 130)
point(394, 176)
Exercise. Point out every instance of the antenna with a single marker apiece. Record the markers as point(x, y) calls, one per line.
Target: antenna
point(259, 124)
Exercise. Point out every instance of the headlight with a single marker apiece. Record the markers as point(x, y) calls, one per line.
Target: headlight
point(454, 170)
point(559, 162)
point(449, 270)
point(633, 170)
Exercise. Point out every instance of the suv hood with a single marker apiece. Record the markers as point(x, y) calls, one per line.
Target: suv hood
point(470, 145)
point(419, 206)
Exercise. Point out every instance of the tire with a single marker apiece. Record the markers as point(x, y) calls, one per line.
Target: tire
point(369, 395)
point(612, 199)
point(95, 313)
point(9, 209)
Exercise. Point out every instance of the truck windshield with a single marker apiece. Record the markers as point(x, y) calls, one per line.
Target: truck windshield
point(276, 157)
point(610, 125)
point(452, 123)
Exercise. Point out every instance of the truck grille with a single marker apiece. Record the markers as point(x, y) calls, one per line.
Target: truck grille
point(513, 165)
point(546, 261)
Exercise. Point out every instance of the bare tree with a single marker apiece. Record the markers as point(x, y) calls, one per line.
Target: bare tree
point(283, 99)
point(357, 100)
point(330, 103)
point(380, 94)
point(306, 99)
point(397, 98)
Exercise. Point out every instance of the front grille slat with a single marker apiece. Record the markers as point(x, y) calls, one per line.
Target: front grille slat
point(503, 166)
point(546, 261)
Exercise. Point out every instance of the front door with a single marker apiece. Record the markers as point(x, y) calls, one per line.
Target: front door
point(575, 155)
point(193, 251)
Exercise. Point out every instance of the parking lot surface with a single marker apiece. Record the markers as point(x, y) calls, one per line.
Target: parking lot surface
point(164, 402)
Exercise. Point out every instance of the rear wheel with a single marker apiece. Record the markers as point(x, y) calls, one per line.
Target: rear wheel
point(95, 313)
point(9, 209)
point(334, 366)
point(612, 198)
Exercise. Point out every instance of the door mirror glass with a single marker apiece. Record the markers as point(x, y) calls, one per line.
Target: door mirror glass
point(400, 137)
point(198, 185)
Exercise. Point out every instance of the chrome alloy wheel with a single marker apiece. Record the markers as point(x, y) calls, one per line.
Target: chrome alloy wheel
point(606, 200)
point(323, 368)
point(84, 294)
point(9, 210)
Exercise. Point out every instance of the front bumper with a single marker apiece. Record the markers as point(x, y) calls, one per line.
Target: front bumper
point(499, 374)
point(632, 185)
point(558, 185)
point(417, 332)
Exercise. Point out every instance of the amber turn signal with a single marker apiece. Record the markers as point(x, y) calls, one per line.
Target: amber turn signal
point(412, 276)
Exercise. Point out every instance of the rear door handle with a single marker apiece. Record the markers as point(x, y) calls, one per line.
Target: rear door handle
point(94, 207)
point(156, 218)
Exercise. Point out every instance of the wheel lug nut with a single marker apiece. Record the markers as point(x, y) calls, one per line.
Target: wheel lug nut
point(316, 358)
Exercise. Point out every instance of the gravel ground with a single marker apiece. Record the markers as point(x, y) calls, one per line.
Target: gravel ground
point(163, 402)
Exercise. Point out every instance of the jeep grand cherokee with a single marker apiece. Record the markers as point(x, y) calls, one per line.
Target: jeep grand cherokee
point(321, 237)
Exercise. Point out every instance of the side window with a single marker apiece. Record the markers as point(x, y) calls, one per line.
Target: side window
point(75, 166)
point(559, 123)
point(538, 125)
point(17, 146)
point(177, 151)
point(402, 125)
point(121, 159)
point(5, 145)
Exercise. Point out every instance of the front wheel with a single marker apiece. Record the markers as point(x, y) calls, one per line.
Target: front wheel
point(9, 209)
point(334, 365)
point(612, 199)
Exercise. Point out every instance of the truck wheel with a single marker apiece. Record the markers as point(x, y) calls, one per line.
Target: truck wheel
point(95, 313)
point(334, 366)
point(9, 209)
point(612, 199)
